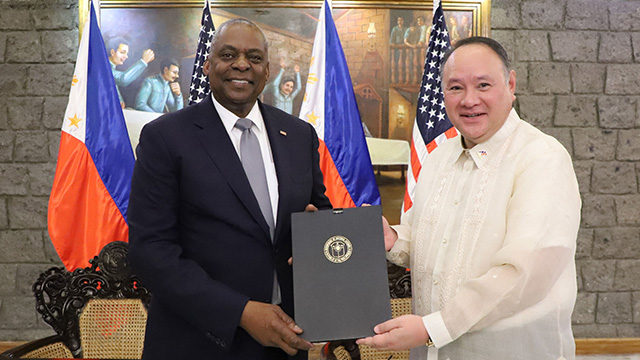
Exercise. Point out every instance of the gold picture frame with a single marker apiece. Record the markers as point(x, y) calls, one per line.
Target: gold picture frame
point(385, 75)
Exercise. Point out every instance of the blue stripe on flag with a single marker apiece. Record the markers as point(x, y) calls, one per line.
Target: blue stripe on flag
point(343, 133)
point(106, 138)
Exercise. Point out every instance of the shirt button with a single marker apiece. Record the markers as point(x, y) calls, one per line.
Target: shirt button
point(444, 241)
point(435, 281)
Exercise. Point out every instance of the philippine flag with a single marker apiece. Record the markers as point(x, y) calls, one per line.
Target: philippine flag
point(88, 202)
point(330, 106)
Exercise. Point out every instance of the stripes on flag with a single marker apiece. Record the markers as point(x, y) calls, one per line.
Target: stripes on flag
point(330, 106)
point(90, 194)
point(199, 88)
point(431, 126)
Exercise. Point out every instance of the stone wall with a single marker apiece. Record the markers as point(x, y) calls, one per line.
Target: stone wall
point(38, 48)
point(578, 71)
point(578, 78)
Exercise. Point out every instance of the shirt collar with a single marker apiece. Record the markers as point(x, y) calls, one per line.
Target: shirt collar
point(229, 119)
point(482, 153)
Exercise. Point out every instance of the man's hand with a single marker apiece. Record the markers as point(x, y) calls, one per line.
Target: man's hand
point(390, 235)
point(402, 333)
point(148, 56)
point(270, 326)
point(175, 87)
point(296, 68)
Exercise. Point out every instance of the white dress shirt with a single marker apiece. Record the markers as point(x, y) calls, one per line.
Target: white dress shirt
point(229, 121)
point(490, 241)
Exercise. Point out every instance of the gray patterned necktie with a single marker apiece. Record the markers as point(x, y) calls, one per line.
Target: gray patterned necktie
point(251, 158)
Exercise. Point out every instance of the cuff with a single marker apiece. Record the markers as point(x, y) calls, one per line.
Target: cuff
point(437, 329)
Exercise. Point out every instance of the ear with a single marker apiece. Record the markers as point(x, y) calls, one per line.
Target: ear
point(512, 84)
point(112, 52)
point(267, 70)
point(206, 67)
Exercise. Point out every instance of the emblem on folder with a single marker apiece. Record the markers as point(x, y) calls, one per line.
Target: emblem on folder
point(338, 249)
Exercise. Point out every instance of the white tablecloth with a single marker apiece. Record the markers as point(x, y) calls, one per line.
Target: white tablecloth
point(389, 151)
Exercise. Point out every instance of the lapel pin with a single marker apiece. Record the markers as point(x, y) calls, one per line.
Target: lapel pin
point(283, 133)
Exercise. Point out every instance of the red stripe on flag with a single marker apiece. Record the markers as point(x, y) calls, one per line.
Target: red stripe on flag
point(408, 203)
point(336, 190)
point(416, 165)
point(82, 214)
point(451, 133)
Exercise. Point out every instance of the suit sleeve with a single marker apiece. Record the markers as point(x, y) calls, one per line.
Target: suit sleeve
point(155, 251)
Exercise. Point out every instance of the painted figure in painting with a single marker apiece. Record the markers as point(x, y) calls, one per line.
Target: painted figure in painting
point(454, 35)
point(161, 93)
point(118, 51)
point(424, 31)
point(412, 40)
point(284, 89)
point(396, 40)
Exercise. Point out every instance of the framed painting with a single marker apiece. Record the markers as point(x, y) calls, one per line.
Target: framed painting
point(385, 60)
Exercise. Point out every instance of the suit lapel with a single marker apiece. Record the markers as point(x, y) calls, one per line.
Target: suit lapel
point(277, 132)
point(214, 138)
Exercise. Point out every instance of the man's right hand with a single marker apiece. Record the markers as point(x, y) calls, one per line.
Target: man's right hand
point(270, 326)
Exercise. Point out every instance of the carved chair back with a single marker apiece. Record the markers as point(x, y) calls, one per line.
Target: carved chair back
point(108, 285)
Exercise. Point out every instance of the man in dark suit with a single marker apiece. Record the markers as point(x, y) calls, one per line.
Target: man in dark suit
point(199, 239)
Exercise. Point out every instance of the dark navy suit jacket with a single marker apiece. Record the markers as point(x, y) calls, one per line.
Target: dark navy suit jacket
point(197, 237)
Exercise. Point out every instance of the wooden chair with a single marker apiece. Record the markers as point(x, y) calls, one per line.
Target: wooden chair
point(400, 291)
point(96, 312)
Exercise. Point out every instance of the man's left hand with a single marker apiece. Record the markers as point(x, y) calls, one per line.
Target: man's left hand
point(175, 87)
point(402, 333)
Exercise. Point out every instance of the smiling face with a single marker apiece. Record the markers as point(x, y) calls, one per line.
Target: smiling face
point(171, 74)
point(477, 96)
point(287, 87)
point(238, 67)
point(119, 56)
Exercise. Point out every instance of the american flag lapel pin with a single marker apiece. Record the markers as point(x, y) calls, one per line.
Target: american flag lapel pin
point(482, 153)
point(283, 133)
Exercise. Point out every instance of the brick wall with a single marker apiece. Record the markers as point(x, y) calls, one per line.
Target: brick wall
point(578, 73)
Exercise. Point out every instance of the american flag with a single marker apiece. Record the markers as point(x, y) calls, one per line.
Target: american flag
point(199, 88)
point(431, 126)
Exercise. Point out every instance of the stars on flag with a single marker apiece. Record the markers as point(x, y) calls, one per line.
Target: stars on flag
point(74, 120)
point(199, 88)
point(431, 117)
point(311, 117)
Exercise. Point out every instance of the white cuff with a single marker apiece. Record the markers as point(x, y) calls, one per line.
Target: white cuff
point(437, 329)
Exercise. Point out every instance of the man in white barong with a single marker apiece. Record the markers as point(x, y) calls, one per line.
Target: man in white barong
point(491, 236)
